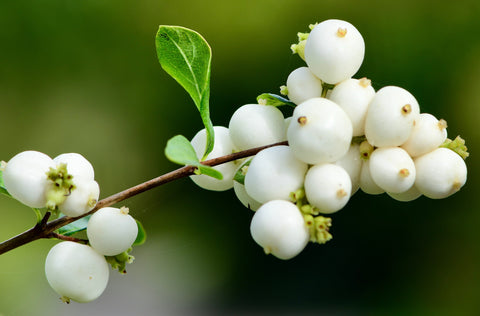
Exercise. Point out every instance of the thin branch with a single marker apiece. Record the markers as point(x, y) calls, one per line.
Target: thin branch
point(47, 230)
point(67, 238)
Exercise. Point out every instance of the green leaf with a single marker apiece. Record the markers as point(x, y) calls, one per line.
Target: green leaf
point(208, 171)
point(74, 227)
point(240, 174)
point(179, 150)
point(38, 215)
point(186, 56)
point(141, 236)
point(274, 100)
point(3, 190)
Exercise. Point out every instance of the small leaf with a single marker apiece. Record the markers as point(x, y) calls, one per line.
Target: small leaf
point(179, 150)
point(240, 174)
point(38, 215)
point(209, 171)
point(3, 190)
point(141, 236)
point(186, 56)
point(74, 227)
point(274, 100)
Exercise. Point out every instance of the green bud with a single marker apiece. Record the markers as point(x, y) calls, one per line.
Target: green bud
point(457, 145)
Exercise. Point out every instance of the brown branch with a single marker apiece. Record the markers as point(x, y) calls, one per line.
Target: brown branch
point(66, 238)
point(47, 230)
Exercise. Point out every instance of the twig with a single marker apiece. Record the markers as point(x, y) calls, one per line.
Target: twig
point(46, 229)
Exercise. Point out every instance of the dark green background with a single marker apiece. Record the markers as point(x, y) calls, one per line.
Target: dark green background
point(82, 76)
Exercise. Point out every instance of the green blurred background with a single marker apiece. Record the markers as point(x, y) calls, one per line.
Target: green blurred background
point(82, 76)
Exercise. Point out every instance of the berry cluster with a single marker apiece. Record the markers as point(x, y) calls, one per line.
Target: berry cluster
point(39, 181)
point(66, 184)
point(342, 136)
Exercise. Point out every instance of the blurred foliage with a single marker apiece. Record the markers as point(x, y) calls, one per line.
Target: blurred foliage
point(82, 76)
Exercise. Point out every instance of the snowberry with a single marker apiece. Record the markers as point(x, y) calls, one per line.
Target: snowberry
point(303, 85)
point(354, 96)
point(390, 117)
point(25, 177)
point(320, 131)
point(392, 169)
point(407, 196)
point(82, 198)
point(244, 198)
point(279, 227)
point(440, 173)
point(334, 51)
point(427, 134)
point(367, 184)
point(352, 163)
point(328, 187)
point(273, 174)
point(77, 165)
point(255, 125)
point(240, 191)
point(111, 230)
point(76, 271)
point(222, 146)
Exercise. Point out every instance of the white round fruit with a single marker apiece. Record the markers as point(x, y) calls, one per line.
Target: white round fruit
point(25, 177)
point(354, 96)
point(303, 85)
point(407, 196)
point(255, 125)
point(328, 187)
point(320, 131)
point(352, 163)
point(279, 228)
point(440, 173)
point(367, 184)
point(334, 51)
point(111, 230)
point(222, 146)
point(82, 198)
point(76, 271)
point(273, 174)
point(427, 134)
point(77, 165)
point(244, 198)
point(390, 117)
point(392, 169)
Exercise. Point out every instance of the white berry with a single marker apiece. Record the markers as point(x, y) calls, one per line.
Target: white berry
point(392, 169)
point(111, 230)
point(334, 51)
point(279, 227)
point(76, 271)
point(352, 163)
point(328, 187)
point(320, 131)
point(255, 125)
point(427, 134)
point(25, 177)
point(354, 96)
point(367, 184)
point(244, 198)
point(222, 146)
point(273, 174)
point(303, 85)
point(390, 117)
point(440, 173)
point(82, 198)
point(77, 165)
point(407, 196)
